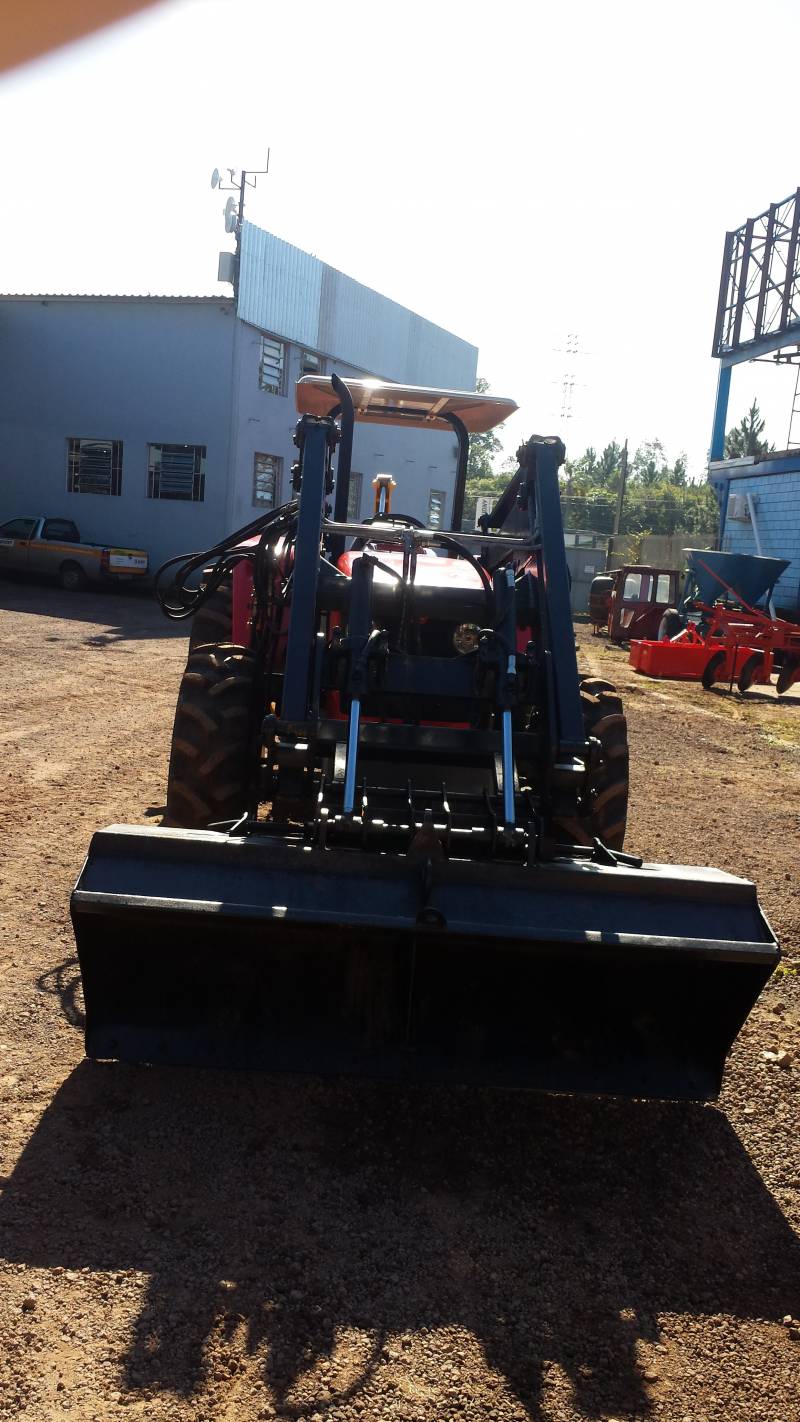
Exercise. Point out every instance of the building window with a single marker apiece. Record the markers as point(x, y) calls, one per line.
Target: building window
point(310, 364)
point(94, 466)
point(272, 366)
point(176, 471)
point(436, 508)
point(354, 497)
point(267, 470)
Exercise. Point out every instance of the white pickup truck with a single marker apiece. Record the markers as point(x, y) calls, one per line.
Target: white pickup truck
point(52, 547)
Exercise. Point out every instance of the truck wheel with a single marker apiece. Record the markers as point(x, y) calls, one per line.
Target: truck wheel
point(71, 577)
point(604, 721)
point(213, 621)
point(213, 757)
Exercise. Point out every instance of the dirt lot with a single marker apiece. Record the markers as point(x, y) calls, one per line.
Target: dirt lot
point(195, 1245)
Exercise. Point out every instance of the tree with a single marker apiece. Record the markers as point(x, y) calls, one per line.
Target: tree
point(745, 438)
point(483, 476)
point(678, 475)
point(649, 465)
point(483, 448)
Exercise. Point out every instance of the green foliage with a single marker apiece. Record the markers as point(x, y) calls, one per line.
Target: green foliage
point(745, 438)
point(483, 448)
point(658, 496)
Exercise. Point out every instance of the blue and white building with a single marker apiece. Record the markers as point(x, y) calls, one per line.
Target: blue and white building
point(758, 318)
point(164, 422)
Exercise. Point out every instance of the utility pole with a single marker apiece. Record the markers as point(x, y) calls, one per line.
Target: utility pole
point(623, 471)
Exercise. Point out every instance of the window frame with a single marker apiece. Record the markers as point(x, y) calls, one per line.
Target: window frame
point(115, 451)
point(271, 388)
point(436, 494)
point(313, 355)
point(659, 578)
point(277, 460)
point(26, 537)
point(353, 513)
point(72, 537)
point(154, 478)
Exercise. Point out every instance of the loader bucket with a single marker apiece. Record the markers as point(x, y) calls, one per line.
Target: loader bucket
point(569, 976)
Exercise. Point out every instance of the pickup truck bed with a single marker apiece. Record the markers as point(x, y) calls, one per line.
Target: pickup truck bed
point(52, 547)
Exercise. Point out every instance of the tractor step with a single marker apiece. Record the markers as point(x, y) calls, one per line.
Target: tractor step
point(258, 951)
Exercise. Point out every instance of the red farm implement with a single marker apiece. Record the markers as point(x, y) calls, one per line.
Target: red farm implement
point(729, 640)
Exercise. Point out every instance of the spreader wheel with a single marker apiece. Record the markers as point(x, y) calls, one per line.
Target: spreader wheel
point(786, 674)
point(749, 669)
point(604, 721)
point(711, 668)
point(212, 762)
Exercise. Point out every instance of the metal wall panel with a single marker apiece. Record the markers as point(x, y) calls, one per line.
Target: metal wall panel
point(279, 287)
point(291, 294)
point(584, 564)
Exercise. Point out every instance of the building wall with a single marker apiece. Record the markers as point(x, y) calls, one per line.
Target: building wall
point(777, 498)
point(142, 372)
point(420, 460)
point(293, 295)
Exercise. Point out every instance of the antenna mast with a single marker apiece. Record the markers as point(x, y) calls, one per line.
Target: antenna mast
point(233, 213)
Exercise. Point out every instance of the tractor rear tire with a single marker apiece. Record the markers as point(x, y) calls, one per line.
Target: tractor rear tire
point(212, 624)
point(604, 721)
point(670, 625)
point(213, 756)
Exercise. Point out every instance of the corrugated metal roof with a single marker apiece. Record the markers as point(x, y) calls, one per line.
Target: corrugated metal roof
point(291, 294)
point(105, 296)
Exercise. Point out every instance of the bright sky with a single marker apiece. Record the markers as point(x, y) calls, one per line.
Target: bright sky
point(515, 172)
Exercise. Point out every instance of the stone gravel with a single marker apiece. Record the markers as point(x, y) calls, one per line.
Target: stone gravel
point(193, 1245)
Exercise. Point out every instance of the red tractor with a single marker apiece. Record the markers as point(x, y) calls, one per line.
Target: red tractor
point(629, 602)
point(396, 811)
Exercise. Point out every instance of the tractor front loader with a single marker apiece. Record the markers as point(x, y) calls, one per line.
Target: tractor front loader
point(396, 811)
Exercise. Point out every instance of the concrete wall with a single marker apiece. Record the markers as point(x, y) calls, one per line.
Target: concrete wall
point(138, 371)
point(659, 550)
point(777, 499)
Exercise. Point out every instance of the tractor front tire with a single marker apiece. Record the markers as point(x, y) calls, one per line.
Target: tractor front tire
point(213, 756)
point(213, 620)
point(603, 721)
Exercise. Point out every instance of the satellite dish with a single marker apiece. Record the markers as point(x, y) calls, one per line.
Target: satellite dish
point(230, 215)
point(215, 178)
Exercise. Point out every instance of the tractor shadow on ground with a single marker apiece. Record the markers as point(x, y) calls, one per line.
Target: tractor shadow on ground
point(125, 614)
point(283, 1211)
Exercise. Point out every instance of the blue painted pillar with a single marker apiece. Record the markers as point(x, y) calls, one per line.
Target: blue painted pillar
point(717, 450)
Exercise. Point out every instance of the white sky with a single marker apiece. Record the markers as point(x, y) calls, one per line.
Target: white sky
point(514, 172)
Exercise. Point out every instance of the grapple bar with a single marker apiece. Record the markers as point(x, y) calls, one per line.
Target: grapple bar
point(211, 950)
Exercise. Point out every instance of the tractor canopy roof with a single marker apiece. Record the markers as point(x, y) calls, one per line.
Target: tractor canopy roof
point(415, 405)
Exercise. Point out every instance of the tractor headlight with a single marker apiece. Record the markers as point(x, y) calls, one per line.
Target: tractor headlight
point(466, 637)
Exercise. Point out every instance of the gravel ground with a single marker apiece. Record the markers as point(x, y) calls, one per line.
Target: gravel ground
point(185, 1245)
